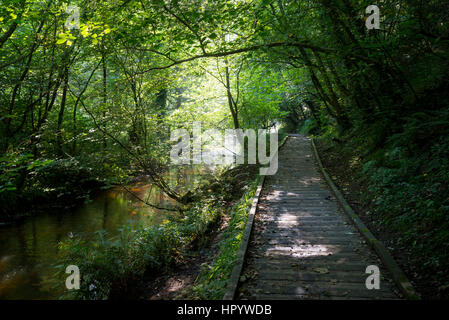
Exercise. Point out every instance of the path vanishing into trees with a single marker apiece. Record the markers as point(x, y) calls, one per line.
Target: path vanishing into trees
point(302, 245)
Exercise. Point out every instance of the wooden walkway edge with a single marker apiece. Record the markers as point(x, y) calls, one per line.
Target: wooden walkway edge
point(237, 270)
point(398, 275)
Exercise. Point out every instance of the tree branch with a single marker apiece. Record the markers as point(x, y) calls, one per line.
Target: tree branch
point(303, 45)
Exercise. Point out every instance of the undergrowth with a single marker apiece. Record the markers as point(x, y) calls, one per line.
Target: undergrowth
point(213, 280)
point(111, 267)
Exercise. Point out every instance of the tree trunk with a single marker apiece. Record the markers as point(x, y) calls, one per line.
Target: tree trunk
point(105, 97)
point(61, 112)
point(232, 106)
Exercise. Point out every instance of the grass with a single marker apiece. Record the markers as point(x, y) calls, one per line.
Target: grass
point(213, 280)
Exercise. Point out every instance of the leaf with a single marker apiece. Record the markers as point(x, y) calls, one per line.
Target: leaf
point(62, 39)
point(321, 270)
point(85, 31)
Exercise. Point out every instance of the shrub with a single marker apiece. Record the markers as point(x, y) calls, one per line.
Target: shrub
point(110, 266)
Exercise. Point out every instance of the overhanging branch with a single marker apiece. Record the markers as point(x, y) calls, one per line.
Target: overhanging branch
point(304, 45)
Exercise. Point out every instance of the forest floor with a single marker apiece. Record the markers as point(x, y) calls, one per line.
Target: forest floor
point(346, 173)
point(178, 282)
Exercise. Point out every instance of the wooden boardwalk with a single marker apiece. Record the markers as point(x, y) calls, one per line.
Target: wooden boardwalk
point(302, 245)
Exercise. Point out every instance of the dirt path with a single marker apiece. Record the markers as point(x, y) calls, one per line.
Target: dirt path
point(302, 245)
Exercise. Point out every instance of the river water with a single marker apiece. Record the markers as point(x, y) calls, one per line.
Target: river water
point(29, 249)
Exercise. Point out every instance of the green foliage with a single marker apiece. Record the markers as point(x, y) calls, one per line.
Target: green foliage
point(10, 167)
point(214, 277)
point(13, 168)
point(308, 126)
point(112, 265)
point(410, 195)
